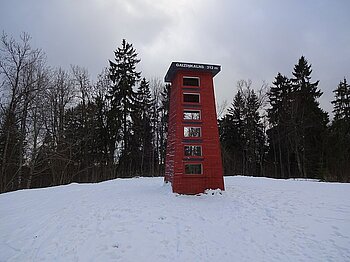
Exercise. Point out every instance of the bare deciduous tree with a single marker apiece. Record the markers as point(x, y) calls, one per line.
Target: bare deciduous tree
point(19, 66)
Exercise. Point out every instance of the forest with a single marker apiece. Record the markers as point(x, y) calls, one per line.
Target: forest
point(57, 126)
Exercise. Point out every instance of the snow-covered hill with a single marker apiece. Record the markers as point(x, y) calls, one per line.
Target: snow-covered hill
point(255, 219)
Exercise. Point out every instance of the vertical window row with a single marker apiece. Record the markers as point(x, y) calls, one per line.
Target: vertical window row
point(192, 131)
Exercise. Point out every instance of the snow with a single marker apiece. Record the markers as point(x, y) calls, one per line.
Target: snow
point(255, 219)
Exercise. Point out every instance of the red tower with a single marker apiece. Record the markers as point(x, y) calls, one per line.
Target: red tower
point(193, 158)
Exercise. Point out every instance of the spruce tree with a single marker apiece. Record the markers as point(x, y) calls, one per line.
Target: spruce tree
point(105, 139)
point(241, 134)
point(279, 99)
point(298, 125)
point(338, 146)
point(279, 116)
point(142, 131)
point(231, 128)
point(254, 136)
point(123, 77)
point(341, 103)
point(308, 120)
point(163, 112)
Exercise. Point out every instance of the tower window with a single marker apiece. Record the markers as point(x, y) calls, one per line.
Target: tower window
point(192, 131)
point(193, 150)
point(191, 98)
point(193, 169)
point(192, 114)
point(190, 81)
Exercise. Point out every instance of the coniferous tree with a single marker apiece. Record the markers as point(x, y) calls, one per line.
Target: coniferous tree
point(232, 136)
point(163, 130)
point(254, 136)
point(241, 134)
point(309, 122)
point(341, 103)
point(279, 116)
point(123, 77)
point(142, 131)
point(338, 146)
point(298, 125)
point(105, 138)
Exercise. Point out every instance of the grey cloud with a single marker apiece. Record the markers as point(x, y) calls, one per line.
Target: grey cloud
point(250, 39)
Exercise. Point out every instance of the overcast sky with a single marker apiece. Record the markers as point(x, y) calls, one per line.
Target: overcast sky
point(250, 39)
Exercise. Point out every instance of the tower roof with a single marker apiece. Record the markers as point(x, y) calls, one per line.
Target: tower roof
point(183, 66)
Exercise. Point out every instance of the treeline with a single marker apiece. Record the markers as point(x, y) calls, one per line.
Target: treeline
point(57, 127)
point(283, 133)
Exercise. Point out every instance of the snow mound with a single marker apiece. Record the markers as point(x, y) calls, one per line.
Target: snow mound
point(255, 219)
